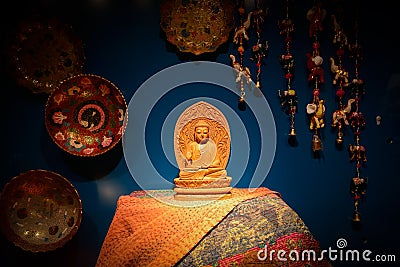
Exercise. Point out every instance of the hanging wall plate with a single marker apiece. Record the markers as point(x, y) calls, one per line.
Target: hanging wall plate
point(197, 27)
point(85, 115)
point(40, 210)
point(45, 52)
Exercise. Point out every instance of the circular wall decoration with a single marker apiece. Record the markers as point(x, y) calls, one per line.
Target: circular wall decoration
point(197, 27)
point(44, 53)
point(86, 115)
point(40, 210)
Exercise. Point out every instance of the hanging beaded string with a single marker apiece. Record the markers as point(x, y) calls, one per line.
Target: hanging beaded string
point(260, 49)
point(316, 109)
point(357, 151)
point(240, 37)
point(288, 98)
point(340, 78)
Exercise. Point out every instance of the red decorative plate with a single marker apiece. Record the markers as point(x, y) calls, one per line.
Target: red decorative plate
point(44, 53)
point(40, 210)
point(86, 115)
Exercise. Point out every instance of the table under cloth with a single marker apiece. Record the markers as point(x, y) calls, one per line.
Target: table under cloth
point(150, 228)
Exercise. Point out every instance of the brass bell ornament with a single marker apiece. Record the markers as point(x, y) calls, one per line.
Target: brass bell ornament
point(356, 217)
point(339, 139)
point(292, 137)
point(292, 132)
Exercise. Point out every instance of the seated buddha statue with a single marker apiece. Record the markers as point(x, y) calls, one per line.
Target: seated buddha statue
point(202, 147)
point(202, 157)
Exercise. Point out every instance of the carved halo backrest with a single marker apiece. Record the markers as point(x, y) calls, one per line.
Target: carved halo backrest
point(218, 131)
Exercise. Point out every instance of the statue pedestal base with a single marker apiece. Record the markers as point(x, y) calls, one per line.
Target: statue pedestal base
point(192, 194)
point(202, 189)
point(203, 183)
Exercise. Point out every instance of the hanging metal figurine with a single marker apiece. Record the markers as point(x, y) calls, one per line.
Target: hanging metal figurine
point(357, 152)
point(240, 37)
point(340, 81)
point(260, 49)
point(288, 98)
point(316, 109)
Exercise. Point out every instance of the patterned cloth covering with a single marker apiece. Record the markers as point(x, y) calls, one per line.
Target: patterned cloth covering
point(237, 231)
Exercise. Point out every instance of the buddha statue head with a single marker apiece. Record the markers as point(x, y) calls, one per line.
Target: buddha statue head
point(201, 130)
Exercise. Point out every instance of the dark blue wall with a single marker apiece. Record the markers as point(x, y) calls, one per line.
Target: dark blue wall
point(124, 44)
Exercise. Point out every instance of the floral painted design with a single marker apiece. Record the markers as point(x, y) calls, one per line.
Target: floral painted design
point(58, 117)
point(58, 98)
point(88, 151)
point(85, 81)
point(59, 136)
point(86, 115)
point(74, 90)
point(106, 141)
point(75, 144)
point(121, 114)
point(104, 89)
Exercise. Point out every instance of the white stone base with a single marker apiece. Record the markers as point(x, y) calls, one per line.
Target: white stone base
point(191, 194)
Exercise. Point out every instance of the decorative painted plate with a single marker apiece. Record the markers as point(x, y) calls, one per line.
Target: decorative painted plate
point(86, 115)
point(197, 26)
point(40, 210)
point(44, 53)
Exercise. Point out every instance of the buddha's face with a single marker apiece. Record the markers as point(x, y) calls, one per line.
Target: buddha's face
point(201, 132)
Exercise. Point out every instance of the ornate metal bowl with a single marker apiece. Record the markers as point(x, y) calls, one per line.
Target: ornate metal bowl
point(45, 52)
point(86, 115)
point(197, 26)
point(40, 210)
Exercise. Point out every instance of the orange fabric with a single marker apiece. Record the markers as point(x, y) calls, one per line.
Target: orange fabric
point(149, 232)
